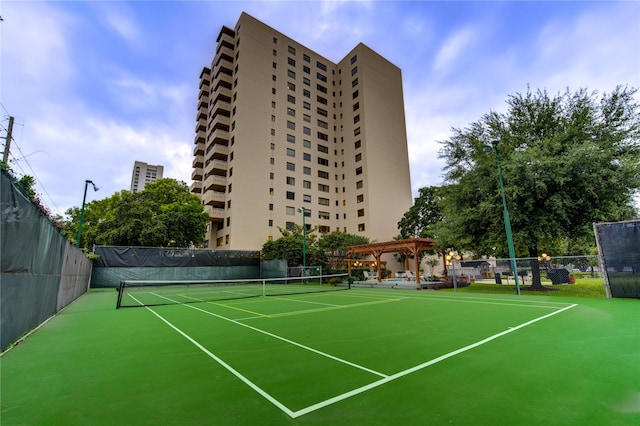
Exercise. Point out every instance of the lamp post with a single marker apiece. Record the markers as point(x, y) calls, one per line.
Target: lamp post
point(505, 211)
point(84, 198)
point(451, 258)
point(304, 241)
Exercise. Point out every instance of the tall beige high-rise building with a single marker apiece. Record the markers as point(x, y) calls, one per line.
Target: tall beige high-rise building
point(144, 173)
point(281, 128)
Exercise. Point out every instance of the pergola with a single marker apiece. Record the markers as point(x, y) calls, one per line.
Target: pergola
point(407, 247)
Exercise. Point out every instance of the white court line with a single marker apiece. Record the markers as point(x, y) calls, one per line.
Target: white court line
point(388, 379)
point(275, 336)
point(362, 389)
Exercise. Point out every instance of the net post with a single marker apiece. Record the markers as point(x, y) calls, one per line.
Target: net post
point(120, 290)
point(264, 287)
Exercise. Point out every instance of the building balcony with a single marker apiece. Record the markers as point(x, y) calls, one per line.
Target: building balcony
point(203, 93)
point(214, 183)
point(220, 122)
point(216, 167)
point(223, 65)
point(223, 53)
point(215, 214)
point(203, 105)
point(222, 107)
point(196, 187)
point(219, 136)
point(201, 137)
point(199, 148)
point(223, 80)
point(226, 40)
point(218, 152)
point(198, 162)
point(223, 94)
point(214, 198)
point(196, 174)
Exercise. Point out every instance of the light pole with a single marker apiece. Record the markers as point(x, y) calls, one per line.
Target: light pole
point(505, 211)
point(304, 241)
point(84, 198)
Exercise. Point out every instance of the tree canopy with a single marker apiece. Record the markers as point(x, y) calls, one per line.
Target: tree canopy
point(567, 160)
point(164, 214)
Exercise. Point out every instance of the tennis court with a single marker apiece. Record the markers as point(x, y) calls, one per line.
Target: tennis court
point(362, 356)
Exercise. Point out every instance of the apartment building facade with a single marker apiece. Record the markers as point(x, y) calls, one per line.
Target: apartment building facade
point(144, 173)
point(280, 128)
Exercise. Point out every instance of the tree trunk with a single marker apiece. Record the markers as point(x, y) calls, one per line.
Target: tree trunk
point(536, 283)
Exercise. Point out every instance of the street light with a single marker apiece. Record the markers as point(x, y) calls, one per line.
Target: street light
point(507, 220)
point(84, 198)
point(451, 258)
point(304, 241)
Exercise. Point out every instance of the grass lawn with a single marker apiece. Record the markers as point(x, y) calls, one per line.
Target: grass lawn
point(584, 287)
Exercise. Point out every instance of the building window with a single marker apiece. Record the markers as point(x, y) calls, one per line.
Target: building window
point(289, 225)
point(321, 88)
point(291, 211)
point(321, 77)
point(354, 83)
point(291, 152)
point(306, 198)
point(323, 148)
point(358, 171)
point(323, 201)
point(291, 112)
point(272, 161)
point(306, 69)
point(324, 215)
point(323, 174)
point(361, 227)
point(306, 143)
point(306, 170)
point(271, 206)
point(323, 136)
point(359, 184)
point(355, 94)
point(273, 146)
point(358, 157)
point(323, 161)
point(323, 188)
point(219, 242)
point(291, 74)
point(356, 119)
point(291, 49)
point(291, 167)
point(354, 70)
point(356, 106)
point(322, 112)
point(354, 58)
point(358, 144)
point(291, 138)
point(356, 132)
point(291, 180)
point(306, 156)
point(271, 224)
point(323, 124)
point(291, 86)
point(306, 105)
point(321, 100)
point(306, 184)
point(306, 130)
point(271, 192)
point(360, 198)
point(291, 125)
point(291, 99)
point(306, 81)
point(306, 117)
point(291, 195)
point(306, 57)
point(360, 212)
point(271, 175)
point(291, 62)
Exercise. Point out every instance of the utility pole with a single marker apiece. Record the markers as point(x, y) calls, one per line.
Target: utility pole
point(7, 144)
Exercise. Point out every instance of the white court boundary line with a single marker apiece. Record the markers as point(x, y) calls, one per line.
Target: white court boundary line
point(349, 394)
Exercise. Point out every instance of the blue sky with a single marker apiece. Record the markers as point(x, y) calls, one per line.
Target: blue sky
point(95, 86)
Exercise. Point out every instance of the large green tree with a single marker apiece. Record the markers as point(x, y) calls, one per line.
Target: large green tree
point(290, 247)
point(164, 214)
point(423, 215)
point(567, 160)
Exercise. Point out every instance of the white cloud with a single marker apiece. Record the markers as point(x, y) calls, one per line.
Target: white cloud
point(453, 48)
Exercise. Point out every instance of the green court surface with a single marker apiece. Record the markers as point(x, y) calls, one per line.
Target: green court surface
point(356, 357)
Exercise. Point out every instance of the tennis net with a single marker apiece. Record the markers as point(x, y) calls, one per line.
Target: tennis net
point(136, 293)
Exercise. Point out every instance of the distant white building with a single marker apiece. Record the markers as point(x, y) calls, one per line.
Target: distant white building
point(144, 173)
